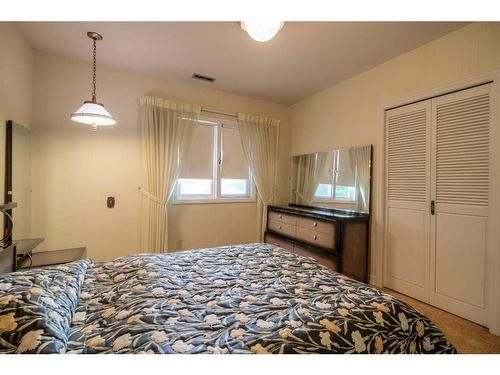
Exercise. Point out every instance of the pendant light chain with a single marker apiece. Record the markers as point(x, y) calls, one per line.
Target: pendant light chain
point(94, 73)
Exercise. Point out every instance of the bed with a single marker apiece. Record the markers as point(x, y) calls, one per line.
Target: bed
point(253, 298)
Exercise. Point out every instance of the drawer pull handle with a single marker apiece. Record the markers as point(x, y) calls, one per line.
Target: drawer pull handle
point(280, 227)
point(315, 237)
point(281, 216)
point(315, 224)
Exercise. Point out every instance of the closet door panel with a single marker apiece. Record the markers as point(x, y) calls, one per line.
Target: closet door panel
point(460, 187)
point(406, 262)
point(407, 199)
point(460, 255)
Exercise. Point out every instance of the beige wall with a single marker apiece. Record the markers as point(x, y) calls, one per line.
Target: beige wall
point(351, 112)
point(16, 84)
point(16, 76)
point(75, 169)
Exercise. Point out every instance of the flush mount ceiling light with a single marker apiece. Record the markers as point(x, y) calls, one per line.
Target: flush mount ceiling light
point(262, 31)
point(91, 112)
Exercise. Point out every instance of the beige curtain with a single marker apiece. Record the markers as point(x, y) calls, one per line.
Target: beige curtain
point(308, 171)
point(360, 163)
point(166, 127)
point(259, 139)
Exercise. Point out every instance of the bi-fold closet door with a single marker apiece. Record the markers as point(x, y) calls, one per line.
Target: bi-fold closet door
point(437, 187)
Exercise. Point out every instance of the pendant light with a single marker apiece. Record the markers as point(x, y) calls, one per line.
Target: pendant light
point(91, 112)
point(262, 31)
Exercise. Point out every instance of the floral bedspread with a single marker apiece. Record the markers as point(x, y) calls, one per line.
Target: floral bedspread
point(37, 307)
point(254, 298)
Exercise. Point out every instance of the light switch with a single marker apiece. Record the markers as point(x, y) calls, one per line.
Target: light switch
point(110, 202)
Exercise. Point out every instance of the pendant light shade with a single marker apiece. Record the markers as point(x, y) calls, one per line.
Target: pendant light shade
point(262, 31)
point(91, 112)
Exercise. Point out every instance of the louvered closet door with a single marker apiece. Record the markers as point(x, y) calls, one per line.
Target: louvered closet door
point(407, 200)
point(460, 155)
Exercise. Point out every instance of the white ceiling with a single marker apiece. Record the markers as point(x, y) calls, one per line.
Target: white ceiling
point(304, 58)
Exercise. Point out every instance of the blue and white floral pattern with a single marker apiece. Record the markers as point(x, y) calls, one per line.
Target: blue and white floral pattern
point(254, 298)
point(37, 306)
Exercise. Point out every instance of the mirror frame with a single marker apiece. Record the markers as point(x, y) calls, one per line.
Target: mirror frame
point(8, 176)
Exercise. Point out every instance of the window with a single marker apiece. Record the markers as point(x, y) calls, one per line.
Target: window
point(214, 167)
point(338, 183)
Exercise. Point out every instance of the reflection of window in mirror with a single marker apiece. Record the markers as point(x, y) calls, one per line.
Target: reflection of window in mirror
point(338, 182)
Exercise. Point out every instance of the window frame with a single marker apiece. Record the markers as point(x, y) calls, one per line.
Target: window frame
point(217, 163)
point(333, 198)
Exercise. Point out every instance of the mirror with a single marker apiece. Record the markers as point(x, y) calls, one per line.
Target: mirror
point(18, 177)
point(339, 178)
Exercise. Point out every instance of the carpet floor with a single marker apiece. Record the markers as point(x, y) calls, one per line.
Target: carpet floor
point(466, 336)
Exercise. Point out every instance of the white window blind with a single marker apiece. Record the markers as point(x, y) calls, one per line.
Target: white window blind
point(328, 174)
point(197, 162)
point(345, 175)
point(234, 164)
point(234, 179)
point(196, 170)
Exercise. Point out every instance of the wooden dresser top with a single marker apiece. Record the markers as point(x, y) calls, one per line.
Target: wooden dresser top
point(329, 214)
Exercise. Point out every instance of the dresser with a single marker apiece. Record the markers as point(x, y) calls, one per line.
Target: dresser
point(337, 239)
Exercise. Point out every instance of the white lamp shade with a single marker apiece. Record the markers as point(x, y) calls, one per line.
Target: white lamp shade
point(262, 31)
point(91, 113)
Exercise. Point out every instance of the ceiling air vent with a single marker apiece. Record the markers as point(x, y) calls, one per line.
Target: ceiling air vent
point(201, 77)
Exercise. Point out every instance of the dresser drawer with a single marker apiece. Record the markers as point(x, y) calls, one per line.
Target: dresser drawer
point(316, 225)
point(283, 228)
point(280, 242)
point(323, 258)
point(316, 238)
point(282, 218)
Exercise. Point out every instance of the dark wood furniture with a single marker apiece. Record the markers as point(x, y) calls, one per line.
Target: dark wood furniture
point(15, 255)
point(18, 254)
point(50, 258)
point(7, 258)
point(338, 239)
point(7, 246)
point(24, 251)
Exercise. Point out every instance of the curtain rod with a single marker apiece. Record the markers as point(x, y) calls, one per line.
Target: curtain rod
point(208, 110)
point(230, 114)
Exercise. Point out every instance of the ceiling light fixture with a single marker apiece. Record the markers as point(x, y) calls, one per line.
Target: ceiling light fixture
point(92, 112)
point(262, 31)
